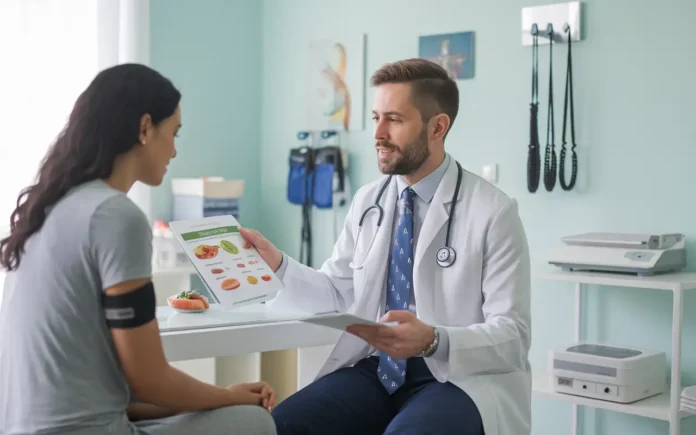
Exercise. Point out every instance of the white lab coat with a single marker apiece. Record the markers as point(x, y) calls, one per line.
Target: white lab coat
point(483, 299)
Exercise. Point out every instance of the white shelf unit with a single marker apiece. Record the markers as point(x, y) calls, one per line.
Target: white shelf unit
point(663, 407)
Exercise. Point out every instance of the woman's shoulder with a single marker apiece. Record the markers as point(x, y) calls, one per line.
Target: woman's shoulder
point(119, 206)
point(97, 199)
point(117, 211)
point(97, 208)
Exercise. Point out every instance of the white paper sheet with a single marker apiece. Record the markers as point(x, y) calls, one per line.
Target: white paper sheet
point(341, 321)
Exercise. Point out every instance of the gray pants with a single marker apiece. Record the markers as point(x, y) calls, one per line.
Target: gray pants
point(231, 420)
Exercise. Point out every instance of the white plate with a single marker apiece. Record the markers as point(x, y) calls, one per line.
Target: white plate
point(187, 311)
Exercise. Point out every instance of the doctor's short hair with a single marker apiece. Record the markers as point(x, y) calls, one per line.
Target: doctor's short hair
point(433, 90)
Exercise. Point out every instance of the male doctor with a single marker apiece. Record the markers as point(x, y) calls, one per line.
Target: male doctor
point(457, 362)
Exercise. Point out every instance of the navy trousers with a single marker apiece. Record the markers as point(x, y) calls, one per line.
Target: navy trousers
point(353, 401)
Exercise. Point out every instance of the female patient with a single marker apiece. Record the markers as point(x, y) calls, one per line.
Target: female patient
point(78, 334)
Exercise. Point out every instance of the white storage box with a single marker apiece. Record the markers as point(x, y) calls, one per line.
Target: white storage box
point(195, 198)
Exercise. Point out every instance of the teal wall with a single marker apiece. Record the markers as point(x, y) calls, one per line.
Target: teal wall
point(212, 52)
point(634, 112)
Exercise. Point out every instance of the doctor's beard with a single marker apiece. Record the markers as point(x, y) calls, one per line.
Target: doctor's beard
point(406, 160)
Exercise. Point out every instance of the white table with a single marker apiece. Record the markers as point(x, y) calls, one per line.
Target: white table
point(219, 332)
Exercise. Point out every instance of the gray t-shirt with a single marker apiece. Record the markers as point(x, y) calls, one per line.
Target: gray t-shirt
point(59, 370)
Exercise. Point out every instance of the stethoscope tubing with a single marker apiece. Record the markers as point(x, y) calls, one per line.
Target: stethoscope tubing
point(376, 205)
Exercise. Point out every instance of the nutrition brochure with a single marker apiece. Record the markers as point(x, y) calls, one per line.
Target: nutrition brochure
point(232, 269)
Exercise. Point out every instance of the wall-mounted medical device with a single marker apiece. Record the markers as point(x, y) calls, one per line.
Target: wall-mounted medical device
point(330, 175)
point(299, 191)
point(641, 254)
point(598, 371)
point(317, 177)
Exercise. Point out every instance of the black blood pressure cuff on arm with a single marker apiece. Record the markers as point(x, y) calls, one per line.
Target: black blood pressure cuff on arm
point(131, 309)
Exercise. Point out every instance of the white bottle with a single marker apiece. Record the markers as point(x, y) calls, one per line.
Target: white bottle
point(163, 252)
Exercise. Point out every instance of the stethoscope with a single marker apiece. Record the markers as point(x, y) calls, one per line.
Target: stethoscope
point(445, 256)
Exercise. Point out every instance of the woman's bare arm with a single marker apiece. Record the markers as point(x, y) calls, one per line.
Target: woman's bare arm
point(153, 380)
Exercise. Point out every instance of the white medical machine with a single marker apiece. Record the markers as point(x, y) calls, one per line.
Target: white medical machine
point(640, 254)
point(616, 374)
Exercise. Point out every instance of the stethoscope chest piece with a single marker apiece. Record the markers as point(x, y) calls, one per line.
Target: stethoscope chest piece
point(446, 256)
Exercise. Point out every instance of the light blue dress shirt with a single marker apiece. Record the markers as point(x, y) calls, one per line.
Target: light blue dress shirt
point(425, 191)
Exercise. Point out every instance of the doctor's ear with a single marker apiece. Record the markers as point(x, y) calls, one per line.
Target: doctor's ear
point(438, 126)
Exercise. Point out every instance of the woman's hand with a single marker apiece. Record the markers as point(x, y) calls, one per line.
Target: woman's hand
point(255, 393)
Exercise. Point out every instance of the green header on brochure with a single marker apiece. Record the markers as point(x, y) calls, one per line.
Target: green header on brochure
point(193, 235)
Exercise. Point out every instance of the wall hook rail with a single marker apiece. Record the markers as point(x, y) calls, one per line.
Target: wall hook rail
point(551, 18)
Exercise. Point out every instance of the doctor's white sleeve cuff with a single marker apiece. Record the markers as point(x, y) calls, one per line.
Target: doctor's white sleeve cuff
point(442, 351)
point(283, 265)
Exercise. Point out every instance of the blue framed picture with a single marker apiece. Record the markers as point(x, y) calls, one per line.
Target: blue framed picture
point(453, 51)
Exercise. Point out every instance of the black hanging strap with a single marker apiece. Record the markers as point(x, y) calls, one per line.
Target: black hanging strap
point(534, 157)
point(306, 232)
point(568, 102)
point(550, 157)
point(306, 236)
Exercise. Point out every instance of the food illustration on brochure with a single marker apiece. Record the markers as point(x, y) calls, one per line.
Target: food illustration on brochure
point(230, 284)
point(204, 252)
point(207, 252)
point(229, 247)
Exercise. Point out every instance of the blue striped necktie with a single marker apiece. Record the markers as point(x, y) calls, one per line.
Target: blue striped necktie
point(392, 372)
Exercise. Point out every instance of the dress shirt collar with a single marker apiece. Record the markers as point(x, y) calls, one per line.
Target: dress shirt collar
point(426, 188)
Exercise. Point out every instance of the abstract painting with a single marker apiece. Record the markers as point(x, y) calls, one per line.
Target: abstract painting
point(336, 84)
point(453, 51)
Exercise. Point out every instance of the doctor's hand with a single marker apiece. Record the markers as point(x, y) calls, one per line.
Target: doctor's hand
point(267, 250)
point(409, 338)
